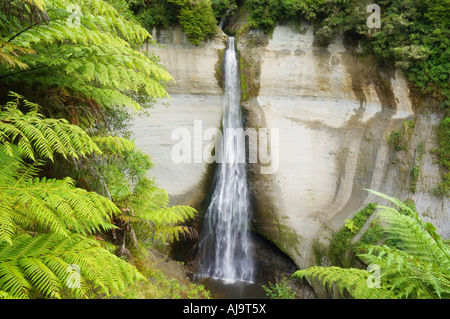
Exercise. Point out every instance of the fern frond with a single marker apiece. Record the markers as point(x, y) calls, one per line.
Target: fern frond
point(408, 275)
point(149, 205)
point(416, 266)
point(52, 205)
point(37, 136)
point(350, 279)
point(42, 264)
point(412, 234)
point(9, 55)
point(169, 215)
point(98, 59)
point(171, 233)
point(113, 145)
point(148, 197)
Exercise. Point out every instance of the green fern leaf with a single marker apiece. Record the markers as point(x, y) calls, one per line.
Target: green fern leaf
point(416, 267)
point(40, 137)
point(42, 263)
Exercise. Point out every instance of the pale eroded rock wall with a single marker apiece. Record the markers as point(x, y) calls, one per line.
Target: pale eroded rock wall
point(334, 110)
point(194, 96)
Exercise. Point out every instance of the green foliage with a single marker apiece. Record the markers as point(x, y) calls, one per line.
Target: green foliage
point(414, 172)
point(415, 263)
point(197, 19)
point(223, 8)
point(350, 225)
point(341, 241)
point(265, 14)
point(41, 266)
point(61, 216)
point(22, 10)
point(414, 34)
point(373, 235)
point(123, 8)
point(145, 207)
point(244, 80)
point(89, 53)
point(155, 13)
point(163, 287)
point(29, 202)
point(398, 139)
point(82, 64)
point(40, 204)
point(151, 216)
point(57, 214)
point(279, 290)
point(39, 137)
point(350, 279)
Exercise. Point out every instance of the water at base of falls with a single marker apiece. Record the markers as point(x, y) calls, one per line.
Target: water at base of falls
point(225, 249)
point(237, 290)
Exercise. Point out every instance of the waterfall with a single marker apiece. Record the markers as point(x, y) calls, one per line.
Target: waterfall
point(225, 247)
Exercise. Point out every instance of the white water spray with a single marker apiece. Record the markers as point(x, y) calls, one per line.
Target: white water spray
point(225, 248)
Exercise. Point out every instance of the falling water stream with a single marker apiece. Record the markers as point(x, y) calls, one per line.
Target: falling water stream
point(226, 253)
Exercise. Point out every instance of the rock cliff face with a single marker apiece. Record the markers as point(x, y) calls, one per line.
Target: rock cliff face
point(334, 110)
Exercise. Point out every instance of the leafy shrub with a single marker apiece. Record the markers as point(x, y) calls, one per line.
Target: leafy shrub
point(223, 8)
point(342, 239)
point(279, 290)
point(197, 19)
point(156, 13)
point(397, 140)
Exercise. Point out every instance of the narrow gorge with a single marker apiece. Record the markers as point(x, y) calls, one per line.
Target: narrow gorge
point(335, 110)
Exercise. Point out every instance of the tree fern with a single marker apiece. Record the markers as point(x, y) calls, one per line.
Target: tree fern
point(13, 13)
point(9, 55)
point(57, 214)
point(418, 266)
point(412, 234)
point(41, 265)
point(56, 205)
point(147, 208)
point(124, 171)
point(112, 146)
point(96, 60)
point(56, 211)
point(39, 137)
point(80, 72)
